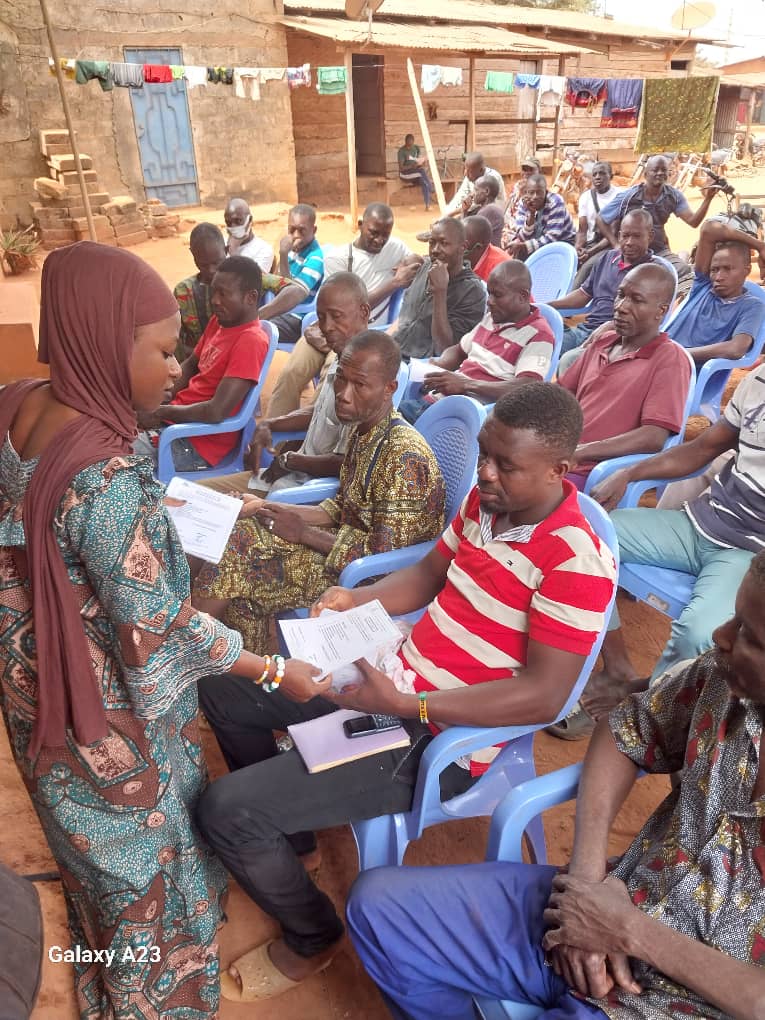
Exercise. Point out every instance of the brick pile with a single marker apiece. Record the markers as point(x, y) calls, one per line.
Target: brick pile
point(125, 220)
point(159, 222)
point(60, 214)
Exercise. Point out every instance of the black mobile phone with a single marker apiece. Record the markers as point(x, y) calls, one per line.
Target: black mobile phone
point(364, 725)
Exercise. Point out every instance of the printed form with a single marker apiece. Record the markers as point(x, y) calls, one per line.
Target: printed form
point(332, 639)
point(205, 520)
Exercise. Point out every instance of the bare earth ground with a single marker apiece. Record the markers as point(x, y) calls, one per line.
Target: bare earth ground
point(343, 992)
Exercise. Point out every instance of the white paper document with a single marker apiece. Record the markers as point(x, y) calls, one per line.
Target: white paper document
point(205, 520)
point(337, 639)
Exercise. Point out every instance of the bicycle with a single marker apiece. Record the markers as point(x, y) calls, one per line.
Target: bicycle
point(449, 169)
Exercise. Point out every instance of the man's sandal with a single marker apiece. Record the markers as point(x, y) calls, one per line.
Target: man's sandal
point(259, 978)
point(577, 725)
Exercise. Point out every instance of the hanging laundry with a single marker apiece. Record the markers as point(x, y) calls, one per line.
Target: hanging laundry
point(299, 77)
point(157, 74)
point(586, 92)
point(247, 82)
point(550, 95)
point(678, 114)
point(272, 73)
point(430, 77)
point(622, 105)
point(330, 81)
point(221, 75)
point(86, 70)
point(129, 76)
point(499, 81)
point(195, 76)
point(178, 71)
point(529, 80)
point(451, 76)
point(68, 68)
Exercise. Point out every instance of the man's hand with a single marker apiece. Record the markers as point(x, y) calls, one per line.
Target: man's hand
point(287, 524)
point(298, 683)
point(149, 420)
point(377, 694)
point(262, 439)
point(438, 278)
point(405, 272)
point(250, 504)
point(610, 491)
point(585, 972)
point(447, 383)
point(516, 248)
point(335, 598)
point(315, 338)
point(285, 245)
point(467, 205)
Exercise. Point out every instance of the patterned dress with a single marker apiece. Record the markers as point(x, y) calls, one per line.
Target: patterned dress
point(391, 495)
point(137, 879)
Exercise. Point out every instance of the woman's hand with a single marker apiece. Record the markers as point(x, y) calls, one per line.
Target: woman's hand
point(298, 683)
point(250, 504)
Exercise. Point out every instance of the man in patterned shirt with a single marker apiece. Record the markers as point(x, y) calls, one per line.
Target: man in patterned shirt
point(676, 930)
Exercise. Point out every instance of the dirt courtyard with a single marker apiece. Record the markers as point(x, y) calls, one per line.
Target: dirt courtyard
point(343, 992)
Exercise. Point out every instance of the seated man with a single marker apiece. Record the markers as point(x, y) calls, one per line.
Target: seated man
point(411, 167)
point(242, 240)
point(661, 200)
point(601, 285)
point(216, 378)
point(384, 263)
point(445, 299)
point(528, 167)
point(513, 341)
point(485, 204)
point(391, 494)
point(481, 255)
point(475, 167)
point(343, 309)
point(589, 242)
point(673, 931)
point(208, 249)
point(632, 382)
point(714, 536)
point(301, 262)
point(519, 541)
point(719, 319)
point(542, 218)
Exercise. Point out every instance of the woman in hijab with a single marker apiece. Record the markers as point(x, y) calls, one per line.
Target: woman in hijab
point(100, 648)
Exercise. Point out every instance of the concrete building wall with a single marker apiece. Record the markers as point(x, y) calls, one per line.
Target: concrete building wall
point(241, 147)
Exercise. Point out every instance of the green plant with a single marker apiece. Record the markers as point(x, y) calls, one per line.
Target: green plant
point(18, 250)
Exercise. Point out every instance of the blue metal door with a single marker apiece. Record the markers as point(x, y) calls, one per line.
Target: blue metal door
point(163, 128)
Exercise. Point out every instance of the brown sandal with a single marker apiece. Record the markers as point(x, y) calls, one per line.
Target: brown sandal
point(259, 978)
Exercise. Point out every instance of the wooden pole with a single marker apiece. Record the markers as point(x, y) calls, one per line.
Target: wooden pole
point(425, 135)
point(350, 131)
point(471, 122)
point(556, 128)
point(68, 119)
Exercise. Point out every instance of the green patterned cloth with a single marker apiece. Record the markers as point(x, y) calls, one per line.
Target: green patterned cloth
point(330, 81)
point(678, 115)
point(499, 81)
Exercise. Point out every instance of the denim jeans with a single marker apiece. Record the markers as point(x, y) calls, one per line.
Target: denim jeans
point(185, 457)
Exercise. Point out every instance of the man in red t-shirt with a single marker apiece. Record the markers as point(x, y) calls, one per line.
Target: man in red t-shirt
point(482, 255)
point(216, 378)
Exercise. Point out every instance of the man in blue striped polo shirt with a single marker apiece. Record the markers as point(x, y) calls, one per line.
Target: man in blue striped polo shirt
point(301, 262)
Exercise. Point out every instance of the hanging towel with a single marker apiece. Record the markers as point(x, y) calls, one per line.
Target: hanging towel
point(221, 75)
point(195, 76)
point(299, 77)
point(451, 75)
point(247, 82)
point(499, 81)
point(530, 80)
point(178, 71)
point(157, 74)
point(430, 77)
point(550, 95)
point(585, 92)
point(622, 105)
point(68, 68)
point(678, 114)
point(272, 73)
point(330, 81)
point(129, 76)
point(85, 70)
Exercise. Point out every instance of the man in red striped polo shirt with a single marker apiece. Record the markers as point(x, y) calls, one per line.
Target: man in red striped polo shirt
point(516, 592)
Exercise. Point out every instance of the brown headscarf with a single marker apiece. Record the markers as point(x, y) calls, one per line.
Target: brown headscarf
point(93, 297)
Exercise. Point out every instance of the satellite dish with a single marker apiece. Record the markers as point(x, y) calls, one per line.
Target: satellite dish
point(357, 10)
point(692, 15)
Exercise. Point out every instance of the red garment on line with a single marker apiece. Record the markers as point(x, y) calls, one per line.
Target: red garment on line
point(157, 73)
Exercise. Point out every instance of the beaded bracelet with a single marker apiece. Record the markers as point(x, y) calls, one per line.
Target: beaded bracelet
point(266, 667)
point(424, 707)
point(281, 666)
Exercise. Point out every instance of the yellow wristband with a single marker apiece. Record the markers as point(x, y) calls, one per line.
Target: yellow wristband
point(424, 708)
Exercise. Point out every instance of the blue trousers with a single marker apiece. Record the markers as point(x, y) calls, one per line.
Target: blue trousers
point(432, 938)
point(421, 176)
point(573, 337)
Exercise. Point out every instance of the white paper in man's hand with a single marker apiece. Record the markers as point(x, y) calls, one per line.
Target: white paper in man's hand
point(205, 520)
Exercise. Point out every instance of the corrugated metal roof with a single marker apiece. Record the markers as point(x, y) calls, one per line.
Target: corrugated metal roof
point(471, 12)
point(744, 81)
point(443, 38)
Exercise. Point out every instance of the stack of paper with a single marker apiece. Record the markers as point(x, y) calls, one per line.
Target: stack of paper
point(205, 520)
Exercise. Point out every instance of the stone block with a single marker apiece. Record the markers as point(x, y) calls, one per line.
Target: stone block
point(66, 162)
point(123, 228)
point(163, 230)
point(48, 234)
point(47, 188)
point(55, 137)
point(98, 198)
point(81, 222)
point(71, 178)
point(102, 235)
point(52, 245)
point(73, 187)
point(127, 240)
point(120, 207)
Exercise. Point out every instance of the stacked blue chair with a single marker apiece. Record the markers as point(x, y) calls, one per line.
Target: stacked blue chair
point(552, 268)
point(393, 311)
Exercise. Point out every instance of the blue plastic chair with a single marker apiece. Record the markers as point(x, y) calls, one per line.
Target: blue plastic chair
point(608, 467)
point(383, 840)
point(670, 310)
point(555, 322)
point(305, 309)
point(243, 422)
point(714, 374)
point(393, 310)
point(552, 269)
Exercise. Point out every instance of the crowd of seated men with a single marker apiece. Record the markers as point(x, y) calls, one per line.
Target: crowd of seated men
point(516, 589)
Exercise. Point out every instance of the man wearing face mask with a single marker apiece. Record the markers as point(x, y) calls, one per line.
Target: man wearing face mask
point(242, 240)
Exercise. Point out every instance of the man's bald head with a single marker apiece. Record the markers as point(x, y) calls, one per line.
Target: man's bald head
point(474, 165)
point(237, 210)
point(658, 277)
point(477, 238)
point(512, 272)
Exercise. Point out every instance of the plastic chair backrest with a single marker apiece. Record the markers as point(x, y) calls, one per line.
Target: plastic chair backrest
point(450, 427)
point(243, 421)
point(670, 311)
point(555, 322)
point(552, 269)
point(392, 311)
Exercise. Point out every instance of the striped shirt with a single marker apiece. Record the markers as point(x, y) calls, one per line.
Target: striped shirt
point(552, 223)
point(551, 586)
point(307, 268)
point(499, 351)
point(732, 512)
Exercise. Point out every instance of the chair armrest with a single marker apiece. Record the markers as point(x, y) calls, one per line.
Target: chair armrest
point(609, 467)
point(514, 812)
point(279, 437)
point(364, 567)
point(310, 492)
